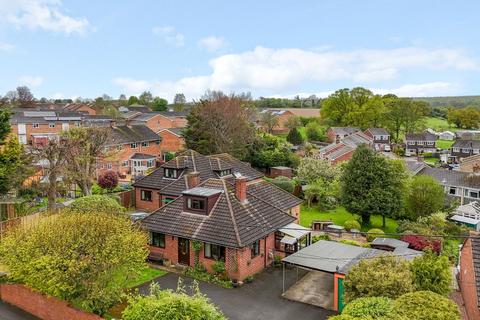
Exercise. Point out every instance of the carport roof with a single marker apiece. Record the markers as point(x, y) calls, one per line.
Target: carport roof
point(331, 256)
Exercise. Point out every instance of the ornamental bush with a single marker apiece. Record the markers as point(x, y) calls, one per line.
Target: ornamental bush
point(426, 305)
point(85, 259)
point(351, 224)
point(284, 183)
point(386, 276)
point(374, 233)
point(172, 305)
point(373, 307)
point(108, 180)
point(422, 243)
point(95, 204)
point(432, 273)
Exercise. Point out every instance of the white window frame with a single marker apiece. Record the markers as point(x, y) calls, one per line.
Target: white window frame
point(35, 125)
point(145, 144)
point(51, 125)
point(134, 145)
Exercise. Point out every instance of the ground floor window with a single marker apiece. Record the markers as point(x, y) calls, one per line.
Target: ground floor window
point(213, 251)
point(146, 195)
point(157, 239)
point(453, 191)
point(255, 248)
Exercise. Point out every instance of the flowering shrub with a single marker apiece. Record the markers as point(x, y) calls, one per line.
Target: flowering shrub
point(421, 243)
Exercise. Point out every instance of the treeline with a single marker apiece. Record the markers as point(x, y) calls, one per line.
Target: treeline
point(465, 118)
point(359, 107)
point(457, 102)
point(297, 102)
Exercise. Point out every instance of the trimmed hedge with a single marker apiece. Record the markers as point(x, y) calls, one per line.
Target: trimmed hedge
point(426, 305)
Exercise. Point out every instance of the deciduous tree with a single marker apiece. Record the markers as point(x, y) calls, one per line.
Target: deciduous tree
point(425, 197)
point(25, 96)
point(269, 121)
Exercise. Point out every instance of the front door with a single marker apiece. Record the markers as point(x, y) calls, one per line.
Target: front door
point(184, 251)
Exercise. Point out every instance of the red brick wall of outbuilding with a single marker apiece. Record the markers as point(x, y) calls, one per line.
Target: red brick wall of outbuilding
point(467, 281)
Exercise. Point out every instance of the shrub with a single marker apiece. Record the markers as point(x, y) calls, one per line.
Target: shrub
point(426, 305)
point(320, 237)
point(284, 183)
point(432, 273)
point(351, 224)
point(421, 243)
point(385, 276)
point(86, 259)
point(108, 180)
point(219, 267)
point(374, 233)
point(168, 304)
point(95, 204)
point(373, 307)
point(350, 242)
point(294, 137)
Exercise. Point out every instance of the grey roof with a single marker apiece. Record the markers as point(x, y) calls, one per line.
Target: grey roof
point(415, 166)
point(422, 136)
point(407, 253)
point(144, 116)
point(463, 219)
point(452, 177)
point(467, 144)
point(344, 130)
point(356, 139)
point(173, 114)
point(229, 223)
point(129, 134)
point(177, 131)
point(331, 256)
point(142, 156)
point(394, 243)
point(476, 263)
point(202, 192)
point(378, 131)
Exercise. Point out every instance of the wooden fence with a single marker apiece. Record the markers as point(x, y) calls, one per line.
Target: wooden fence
point(127, 198)
point(24, 221)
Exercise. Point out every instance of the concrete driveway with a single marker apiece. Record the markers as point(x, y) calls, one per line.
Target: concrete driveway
point(256, 301)
point(314, 288)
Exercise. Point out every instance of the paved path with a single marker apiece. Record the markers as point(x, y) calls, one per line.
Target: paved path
point(256, 301)
point(9, 312)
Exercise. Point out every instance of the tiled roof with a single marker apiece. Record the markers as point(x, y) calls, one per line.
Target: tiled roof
point(415, 166)
point(174, 114)
point(142, 156)
point(452, 177)
point(176, 131)
point(467, 144)
point(344, 130)
point(230, 223)
point(378, 131)
point(129, 134)
point(476, 263)
point(274, 195)
point(356, 139)
point(423, 136)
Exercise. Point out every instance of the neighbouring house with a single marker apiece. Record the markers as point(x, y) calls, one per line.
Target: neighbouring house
point(381, 138)
point(172, 141)
point(470, 164)
point(464, 148)
point(238, 222)
point(458, 185)
point(469, 275)
point(468, 134)
point(80, 107)
point(328, 262)
point(468, 215)
point(335, 134)
point(36, 127)
point(420, 143)
point(131, 152)
point(447, 135)
point(343, 149)
point(284, 114)
point(159, 120)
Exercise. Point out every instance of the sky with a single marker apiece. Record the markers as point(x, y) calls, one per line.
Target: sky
point(271, 48)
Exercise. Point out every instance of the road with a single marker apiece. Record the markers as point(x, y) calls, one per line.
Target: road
point(9, 312)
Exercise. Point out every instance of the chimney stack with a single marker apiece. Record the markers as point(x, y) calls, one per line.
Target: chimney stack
point(193, 179)
point(241, 189)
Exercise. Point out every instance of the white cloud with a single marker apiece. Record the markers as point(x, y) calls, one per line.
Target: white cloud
point(280, 70)
point(170, 35)
point(429, 89)
point(6, 46)
point(213, 43)
point(31, 81)
point(41, 14)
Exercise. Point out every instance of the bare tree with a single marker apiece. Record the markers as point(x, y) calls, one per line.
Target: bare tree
point(269, 120)
point(85, 147)
point(25, 96)
point(52, 158)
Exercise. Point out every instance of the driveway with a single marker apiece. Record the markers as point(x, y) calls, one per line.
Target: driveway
point(314, 288)
point(9, 312)
point(256, 301)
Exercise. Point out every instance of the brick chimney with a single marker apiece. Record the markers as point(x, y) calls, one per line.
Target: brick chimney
point(193, 179)
point(241, 189)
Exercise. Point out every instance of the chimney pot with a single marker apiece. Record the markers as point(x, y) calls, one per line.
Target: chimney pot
point(193, 179)
point(241, 189)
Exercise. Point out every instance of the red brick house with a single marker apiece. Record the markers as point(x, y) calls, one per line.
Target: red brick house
point(335, 134)
point(172, 140)
point(343, 149)
point(131, 152)
point(469, 276)
point(236, 224)
point(284, 114)
point(80, 107)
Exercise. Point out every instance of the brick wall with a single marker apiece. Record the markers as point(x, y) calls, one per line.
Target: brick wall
point(467, 281)
point(171, 142)
point(147, 205)
point(344, 157)
point(295, 211)
point(43, 128)
point(42, 306)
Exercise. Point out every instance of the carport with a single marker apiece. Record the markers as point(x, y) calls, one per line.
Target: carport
point(327, 262)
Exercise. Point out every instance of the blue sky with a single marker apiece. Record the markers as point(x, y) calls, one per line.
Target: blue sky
point(270, 48)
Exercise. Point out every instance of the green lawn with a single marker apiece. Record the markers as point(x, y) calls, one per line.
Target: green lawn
point(339, 215)
point(439, 124)
point(145, 275)
point(444, 144)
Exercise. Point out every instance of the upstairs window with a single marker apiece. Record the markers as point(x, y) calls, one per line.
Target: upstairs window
point(51, 125)
point(35, 125)
point(119, 147)
point(170, 173)
point(134, 145)
point(145, 144)
point(196, 204)
point(226, 172)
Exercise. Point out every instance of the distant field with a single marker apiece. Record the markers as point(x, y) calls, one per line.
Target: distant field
point(444, 144)
point(439, 124)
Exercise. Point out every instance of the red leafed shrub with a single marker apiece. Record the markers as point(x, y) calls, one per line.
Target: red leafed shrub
point(421, 243)
point(108, 180)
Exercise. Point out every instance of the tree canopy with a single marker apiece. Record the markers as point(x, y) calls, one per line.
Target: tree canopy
point(425, 197)
point(95, 204)
point(294, 137)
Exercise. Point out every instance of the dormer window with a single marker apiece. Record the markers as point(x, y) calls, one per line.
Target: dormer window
point(223, 173)
point(200, 200)
point(196, 204)
point(170, 173)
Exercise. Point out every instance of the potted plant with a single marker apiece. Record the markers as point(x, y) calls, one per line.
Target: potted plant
point(249, 279)
point(234, 283)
